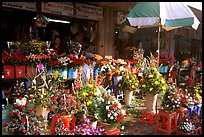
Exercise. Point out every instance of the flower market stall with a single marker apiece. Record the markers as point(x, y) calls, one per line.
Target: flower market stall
point(45, 104)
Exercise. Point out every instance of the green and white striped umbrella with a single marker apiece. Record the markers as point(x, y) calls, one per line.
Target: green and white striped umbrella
point(169, 14)
point(166, 15)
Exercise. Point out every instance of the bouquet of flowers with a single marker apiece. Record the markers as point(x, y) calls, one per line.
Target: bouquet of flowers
point(172, 99)
point(77, 62)
point(88, 97)
point(110, 109)
point(24, 119)
point(19, 89)
point(107, 68)
point(42, 88)
point(64, 62)
point(129, 82)
point(64, 102)
point(153, 82)
point(36, 47)
point(187, 99)
point(187, 125)
point(85, 128)
point(60, 128)
point(166, 58)
point(8, 60)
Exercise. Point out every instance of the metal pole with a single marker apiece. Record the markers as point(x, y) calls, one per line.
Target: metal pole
point(159, 41)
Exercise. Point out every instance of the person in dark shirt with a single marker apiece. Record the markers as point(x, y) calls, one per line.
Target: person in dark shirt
point(59, 49)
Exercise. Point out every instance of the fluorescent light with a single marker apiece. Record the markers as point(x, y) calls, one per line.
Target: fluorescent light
point(60, 21)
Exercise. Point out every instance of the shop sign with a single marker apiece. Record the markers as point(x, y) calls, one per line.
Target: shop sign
point(31, 6)
point(89, 12)
point(60, 8)
point(121, 16)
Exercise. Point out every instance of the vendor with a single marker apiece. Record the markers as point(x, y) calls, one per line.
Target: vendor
point(60, 50)
point(87, 70)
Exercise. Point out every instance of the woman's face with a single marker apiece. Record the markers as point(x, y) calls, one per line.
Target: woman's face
point(57, 42)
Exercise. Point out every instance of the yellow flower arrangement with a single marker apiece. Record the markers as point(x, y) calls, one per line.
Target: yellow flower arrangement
point(129, 82)
point(153, 82)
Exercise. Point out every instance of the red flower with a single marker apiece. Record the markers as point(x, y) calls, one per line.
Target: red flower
point(61, 131)
point(23, 120)
point(36, 115)
point(41, 116)
point(11, 112)
point(137, 129)
point(118, 120)
point(17, 112)
point(22, 129)
point(20, 98)
point(6, 124)
point(31, 110)
point(15, 105)
point(60, 124)
point(43, 126)
point(29, 119)
point(11, 130)
point(22, 107)
point(36, 123)
point(15, 120)
point(52, 109)
point(36, 132)
point(108, 97)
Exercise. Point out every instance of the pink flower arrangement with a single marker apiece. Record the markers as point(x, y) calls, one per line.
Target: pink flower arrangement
point(166, 58)
point(85, 128)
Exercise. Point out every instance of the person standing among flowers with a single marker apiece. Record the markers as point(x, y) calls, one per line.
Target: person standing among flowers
point(87, 70)
point(58, 47)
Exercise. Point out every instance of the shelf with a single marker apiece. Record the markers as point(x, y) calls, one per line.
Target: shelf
point(13, 79)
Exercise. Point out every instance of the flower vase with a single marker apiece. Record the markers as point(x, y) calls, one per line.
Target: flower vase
point(128, 97)
point(163, 69)
point(72, 73)
point(150, 102)
point(64, 73)
point(42, 111)
point(94, 124)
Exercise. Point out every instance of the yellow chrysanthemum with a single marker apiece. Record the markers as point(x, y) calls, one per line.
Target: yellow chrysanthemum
point(94, 93)
point(163, 88)
point(84, 93)
point(143, 86)
point(90, 85)
point(154, 69)
point(136, 84)
point(130, 81)
point(119, 85)
point(127, 77)
point(150, 76)
point(156, 82)
point(32, 86)
point(118, 71)
point(150, 89)
point(133, 86)
point(89, 103)
point(162, 81)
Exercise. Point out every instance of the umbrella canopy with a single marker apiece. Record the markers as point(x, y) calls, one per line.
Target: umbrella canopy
point(166, 15)
point(171, 15)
